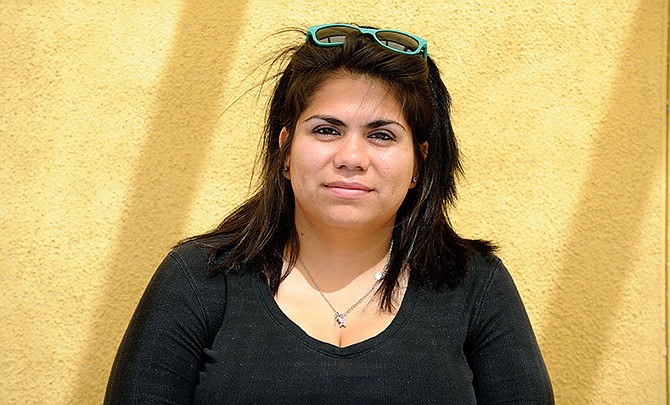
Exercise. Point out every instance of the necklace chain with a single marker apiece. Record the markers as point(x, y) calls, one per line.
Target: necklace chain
point(339, 316)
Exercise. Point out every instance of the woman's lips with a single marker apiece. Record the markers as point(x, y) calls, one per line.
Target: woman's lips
point(349, 190)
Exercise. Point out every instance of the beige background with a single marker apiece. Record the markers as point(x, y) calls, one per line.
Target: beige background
point(128, 125)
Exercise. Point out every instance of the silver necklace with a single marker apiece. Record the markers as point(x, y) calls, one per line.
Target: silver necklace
point(339, 316)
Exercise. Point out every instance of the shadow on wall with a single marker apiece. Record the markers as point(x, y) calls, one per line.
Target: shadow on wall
point(607, 224)
point(166, 177)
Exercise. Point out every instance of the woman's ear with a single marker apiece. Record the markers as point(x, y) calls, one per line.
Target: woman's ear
point(282, 136)
point(285, 171)
point(424, 153)
point(424, 150)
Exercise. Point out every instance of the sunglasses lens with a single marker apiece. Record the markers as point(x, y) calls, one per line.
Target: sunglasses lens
point(398, 41)
point(333, 35)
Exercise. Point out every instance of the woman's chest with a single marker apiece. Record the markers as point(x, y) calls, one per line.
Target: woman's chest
point(266, 369)
point(260, 356)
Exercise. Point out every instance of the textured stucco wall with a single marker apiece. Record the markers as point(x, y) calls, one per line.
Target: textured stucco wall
point(120, 136)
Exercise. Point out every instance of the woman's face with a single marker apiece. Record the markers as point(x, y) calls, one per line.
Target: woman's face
point(351, 161)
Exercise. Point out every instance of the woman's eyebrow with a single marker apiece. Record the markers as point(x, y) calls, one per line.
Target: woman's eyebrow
point(371, 125)
point(328, 119)
point(381, 123)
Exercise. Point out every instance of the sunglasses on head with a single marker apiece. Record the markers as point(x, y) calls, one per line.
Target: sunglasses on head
point(398, 41)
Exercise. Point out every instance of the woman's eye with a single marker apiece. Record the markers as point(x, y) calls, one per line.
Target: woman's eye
point(382, 136)
point(325, 131)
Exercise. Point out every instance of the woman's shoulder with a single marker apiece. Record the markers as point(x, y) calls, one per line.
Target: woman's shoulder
point(191, 252)
point(489, 286)
point(184, 276)
point(191, 260)
point(482, 267)
point(486, 278)
point(482, 272)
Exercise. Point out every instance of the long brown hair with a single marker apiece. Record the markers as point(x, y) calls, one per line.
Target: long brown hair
point(254, 236)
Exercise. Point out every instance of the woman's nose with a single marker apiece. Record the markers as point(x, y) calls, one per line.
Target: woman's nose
point(352, 154)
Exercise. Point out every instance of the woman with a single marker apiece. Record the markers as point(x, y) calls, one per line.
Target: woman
point(341, 279)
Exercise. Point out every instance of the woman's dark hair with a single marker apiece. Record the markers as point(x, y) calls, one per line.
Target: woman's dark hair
point(255, 235)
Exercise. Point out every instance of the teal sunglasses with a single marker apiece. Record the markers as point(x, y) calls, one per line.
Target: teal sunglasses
point(398, 41)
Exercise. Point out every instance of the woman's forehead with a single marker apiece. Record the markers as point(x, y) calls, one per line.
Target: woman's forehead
point(354, 95)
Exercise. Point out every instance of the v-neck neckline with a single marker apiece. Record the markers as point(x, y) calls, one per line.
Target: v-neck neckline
point(399, 320)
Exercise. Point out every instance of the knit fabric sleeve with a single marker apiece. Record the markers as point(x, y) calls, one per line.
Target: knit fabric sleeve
point(502, 350)
point(159, 358)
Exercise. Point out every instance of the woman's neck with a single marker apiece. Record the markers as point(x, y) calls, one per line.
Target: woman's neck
point(337, 258)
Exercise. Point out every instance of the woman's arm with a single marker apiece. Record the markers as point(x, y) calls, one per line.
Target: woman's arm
point(159, 358)
point(502, 350)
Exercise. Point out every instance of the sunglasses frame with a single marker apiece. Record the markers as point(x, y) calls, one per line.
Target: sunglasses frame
point(422, 43)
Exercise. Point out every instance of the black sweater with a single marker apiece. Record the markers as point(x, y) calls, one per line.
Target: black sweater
point(197, 338)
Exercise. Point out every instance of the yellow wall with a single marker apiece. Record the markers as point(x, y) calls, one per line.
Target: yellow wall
point(117, 142)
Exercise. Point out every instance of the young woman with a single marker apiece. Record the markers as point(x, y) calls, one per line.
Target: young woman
point(341, 280)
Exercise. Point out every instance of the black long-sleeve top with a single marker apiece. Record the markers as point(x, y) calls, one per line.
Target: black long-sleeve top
point(197, 338)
